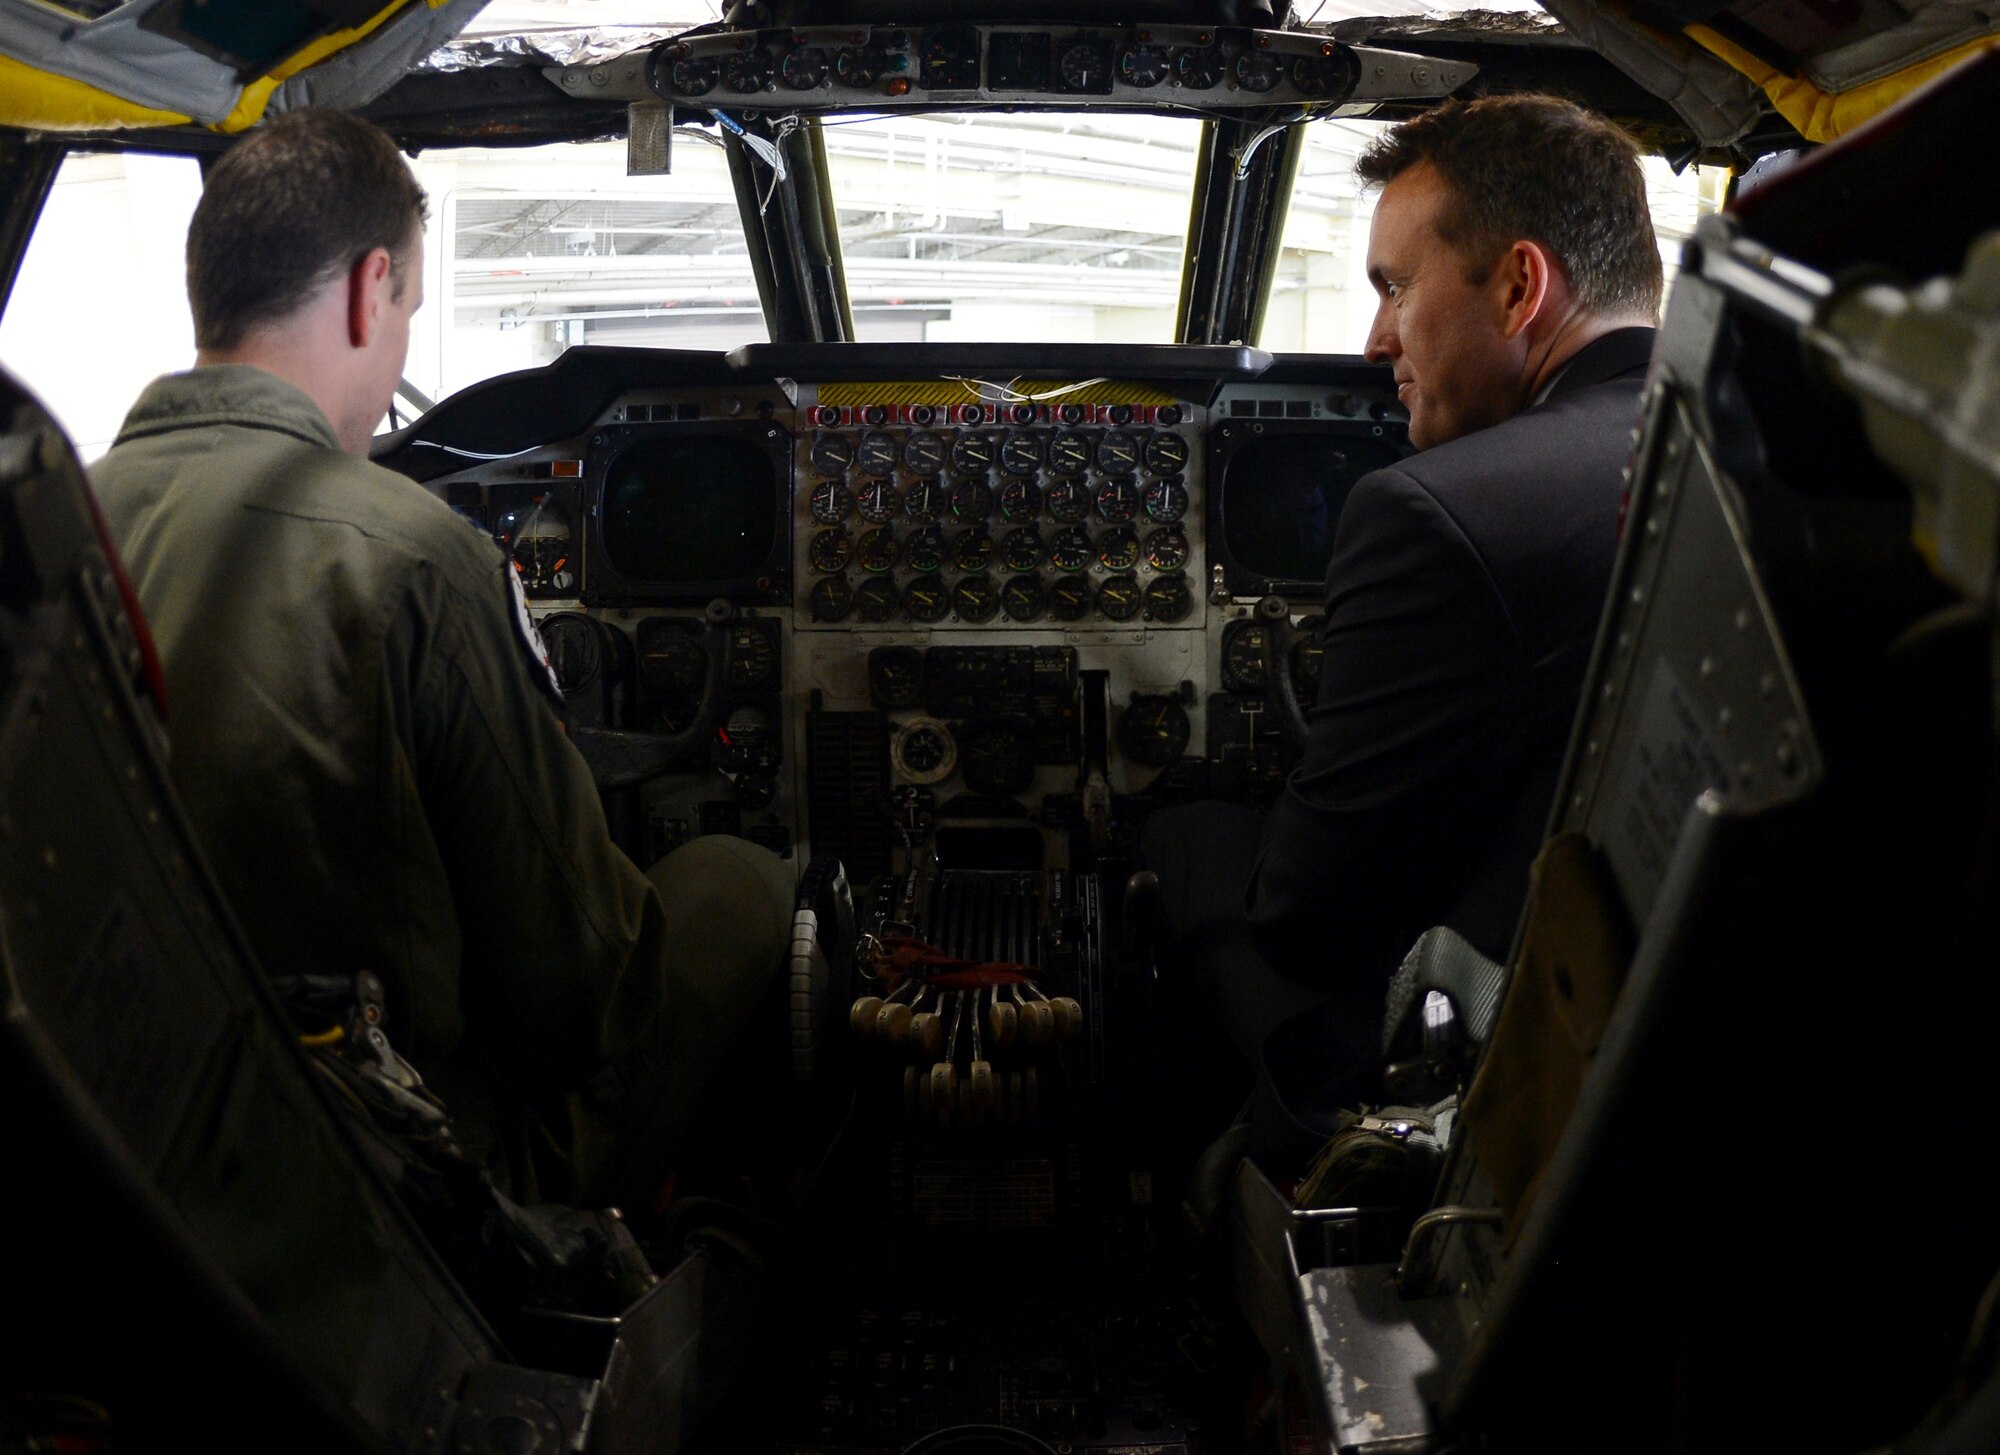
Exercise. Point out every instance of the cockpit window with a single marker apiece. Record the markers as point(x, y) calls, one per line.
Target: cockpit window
point(1013, 228)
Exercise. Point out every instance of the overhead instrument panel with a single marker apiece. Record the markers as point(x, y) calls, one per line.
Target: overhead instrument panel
point(921, 505)
point(883, 67)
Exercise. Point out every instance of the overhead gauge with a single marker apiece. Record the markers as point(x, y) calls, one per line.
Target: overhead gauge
point(694, 75)
point(539, 539)
point(831, 502)
point(1166, 454)
point(895, 677)
point(971, 500)
point(924, 452)
point(805, 69)
point(1118, 452)
point(1166, 501)
point(1118, 500)
point(1021, 454)
point(1068, 502)
point(859, 65)
point(973, 599)
point(878, 599)
point(745, 741)
point(1168, 598)
point(1069, 452)
point(1243, 657)
point(997, 756)
point(1120, 598)
point(831, 600)
point(751, 71)
point(670, 656)
point(1167, 549)
point(1070, 551)
point(972, 454)
point(753, 657)
point(949, 58)
point(830, 551)
point(923, 751)
point(1322, 75)
point(926, 599)
point(1085, 66)
point(878, 503)
point(1144, 66)
point(1118, 549)
point(878, 551)
point(1153, 729)
point(1021, 550)
point(972, 550)
point(1201, 68)
point(1070, 598)
point(924, 500)
point(1020, 500)
point(833, 453)
point(924, 549)
point(1259, 71)
point(877, 452)
point(1023, 598)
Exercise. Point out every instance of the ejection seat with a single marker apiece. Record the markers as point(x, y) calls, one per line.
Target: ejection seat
point(193, 1240)
point(1723, 1175)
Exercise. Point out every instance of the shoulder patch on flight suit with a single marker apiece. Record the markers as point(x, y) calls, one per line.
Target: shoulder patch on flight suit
point(530, 637)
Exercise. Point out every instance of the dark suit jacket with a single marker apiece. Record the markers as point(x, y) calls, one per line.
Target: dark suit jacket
point(1461, 603)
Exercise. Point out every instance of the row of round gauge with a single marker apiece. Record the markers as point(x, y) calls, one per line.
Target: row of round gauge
point(1021, 550)
point(1066, 501)
point(976, 599)
point(1067, 452)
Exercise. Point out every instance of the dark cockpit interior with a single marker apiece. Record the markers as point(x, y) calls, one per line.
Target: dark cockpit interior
point(1700, 1160)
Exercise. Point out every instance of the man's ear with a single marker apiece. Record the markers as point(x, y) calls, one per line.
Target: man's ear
point(369, 285)
point(1523, 280)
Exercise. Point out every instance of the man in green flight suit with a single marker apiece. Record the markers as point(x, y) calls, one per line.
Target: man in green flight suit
point(363, 717)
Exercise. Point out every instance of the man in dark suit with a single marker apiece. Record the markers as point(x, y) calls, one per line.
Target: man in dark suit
point(1513, 256)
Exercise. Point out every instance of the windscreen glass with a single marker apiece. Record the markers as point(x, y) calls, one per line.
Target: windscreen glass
point(695, 509)
point(1282, 496)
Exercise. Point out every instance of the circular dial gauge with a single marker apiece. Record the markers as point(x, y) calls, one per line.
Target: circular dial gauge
point(923, 751)
point(1070, 598)
point(877, 452)
point(1200, 69)
point(926, 598)
point(753, 658)
point(1118, 548)
point(1258, 71)
point(1143, 66)
point(1021, 454)
point(924, 500)
point(895, 676)
point(831, 502)
point(973, 599)
point(833, 453)
point(830, 551)
point(805, 69)
point(1069, 452)
point(670, 659)
point(1118, 500)
point(1307, 653)
point(972, 550)
point(924, 549)
point(972, 454)
point(997, 756)
point(1023, 598)
point(1021, 550)
point(923, 452)
point(744, 740)
point(748, 72)
point(1120, 598)
point(1320, 75)
point(1166, 454)
point(1168, 598)
point(1068, 501)
point(576, 649)
point(1166, 501)
point(1086, 66)
point(877, 503)
point(877, 551)
point(831, 599)
point(1020, 500)
point(1071, 551)
point(971, 500)
point(858, 65)
point(538, 539)
point(1243, 658)
point(1153, 730)
point(1167, 549)
point(878, 599)
point(694, 75)
point(1118, 452)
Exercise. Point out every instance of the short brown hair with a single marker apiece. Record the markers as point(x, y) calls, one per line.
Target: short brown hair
point(1540, 168)
point(299, 201)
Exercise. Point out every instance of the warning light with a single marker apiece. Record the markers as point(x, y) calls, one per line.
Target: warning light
point(566, 469)
point(900, 86)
